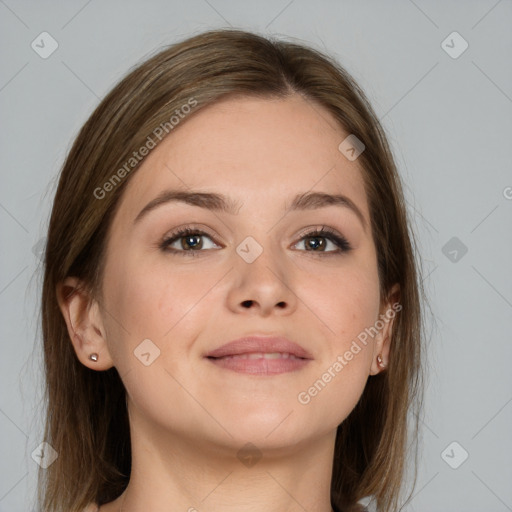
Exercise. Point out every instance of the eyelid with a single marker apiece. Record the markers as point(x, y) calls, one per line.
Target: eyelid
point(317, 228)
point(322, 231)
point(199, 228)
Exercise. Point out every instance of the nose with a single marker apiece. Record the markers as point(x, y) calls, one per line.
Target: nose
point(262, 287)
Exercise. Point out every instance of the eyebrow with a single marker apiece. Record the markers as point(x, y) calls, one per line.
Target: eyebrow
point(221, 203)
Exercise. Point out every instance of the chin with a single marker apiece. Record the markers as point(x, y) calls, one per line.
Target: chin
point(280, 427)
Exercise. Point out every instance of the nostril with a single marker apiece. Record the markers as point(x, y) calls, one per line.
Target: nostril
point(247, 303)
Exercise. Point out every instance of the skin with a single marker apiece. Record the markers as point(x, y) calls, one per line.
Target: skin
point(188, 417)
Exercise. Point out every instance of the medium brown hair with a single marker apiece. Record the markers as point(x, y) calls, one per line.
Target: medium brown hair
point(87, 421)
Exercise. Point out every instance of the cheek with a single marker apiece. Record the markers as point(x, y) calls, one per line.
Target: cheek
point(346, 303)
point(347, 309)
point(134, 298)
point(154, 302)
point(348, 306)
point(137, 292)
point(329, 398)
point(158, 304)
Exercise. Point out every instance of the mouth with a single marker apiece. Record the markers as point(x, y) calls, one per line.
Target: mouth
point(259, 355)
point(260, 363)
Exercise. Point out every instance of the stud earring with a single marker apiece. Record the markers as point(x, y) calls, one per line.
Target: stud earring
point(93, 357)
point(380, 362)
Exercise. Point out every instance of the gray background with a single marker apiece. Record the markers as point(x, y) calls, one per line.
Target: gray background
point(449, 122)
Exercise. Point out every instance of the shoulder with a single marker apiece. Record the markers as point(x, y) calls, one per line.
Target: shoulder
point(92, 507)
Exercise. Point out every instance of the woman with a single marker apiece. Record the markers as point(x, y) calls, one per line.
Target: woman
point(231, 309)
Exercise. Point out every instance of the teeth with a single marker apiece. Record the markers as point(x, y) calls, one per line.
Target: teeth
point(263, 355)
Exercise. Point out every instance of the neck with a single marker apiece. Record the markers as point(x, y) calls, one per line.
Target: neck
point(192, 476)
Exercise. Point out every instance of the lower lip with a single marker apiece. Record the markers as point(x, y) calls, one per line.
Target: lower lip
point(260, 366)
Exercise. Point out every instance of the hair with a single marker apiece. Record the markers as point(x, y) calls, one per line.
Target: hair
point(86, 414)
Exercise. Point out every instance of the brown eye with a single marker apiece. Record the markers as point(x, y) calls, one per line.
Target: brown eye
point(187, 240)
point(318, 241)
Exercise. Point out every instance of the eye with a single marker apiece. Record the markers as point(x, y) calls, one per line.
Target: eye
point(318, 240)
point(188, 240)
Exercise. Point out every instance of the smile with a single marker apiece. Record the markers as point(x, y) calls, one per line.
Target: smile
point(260, 363)
point(262, 355)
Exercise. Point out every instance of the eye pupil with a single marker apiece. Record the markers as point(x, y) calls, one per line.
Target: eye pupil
point(316, 242)
point(192, 241)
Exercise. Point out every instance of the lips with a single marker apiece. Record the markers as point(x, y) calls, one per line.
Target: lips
point(268, 347)
point(262, 356)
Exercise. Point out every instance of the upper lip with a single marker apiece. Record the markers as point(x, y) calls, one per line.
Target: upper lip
point(257, 343)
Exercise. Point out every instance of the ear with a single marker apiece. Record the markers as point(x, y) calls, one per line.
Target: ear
point(84, 323)
point(387, 315)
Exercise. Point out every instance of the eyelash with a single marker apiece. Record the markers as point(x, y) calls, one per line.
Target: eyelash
point(325, 232)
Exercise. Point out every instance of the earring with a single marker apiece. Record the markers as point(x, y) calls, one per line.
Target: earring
point(93, 357)
point(380, 362)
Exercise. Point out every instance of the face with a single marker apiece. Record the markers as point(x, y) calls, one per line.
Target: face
point(251, 270)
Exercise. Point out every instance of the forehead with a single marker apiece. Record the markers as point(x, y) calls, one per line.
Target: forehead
point(258, 151)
